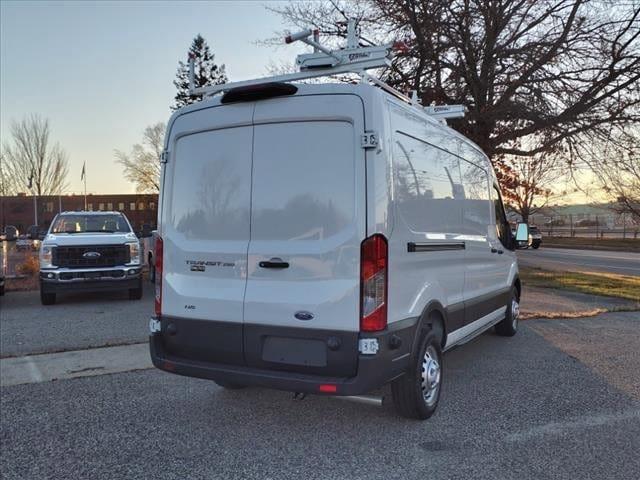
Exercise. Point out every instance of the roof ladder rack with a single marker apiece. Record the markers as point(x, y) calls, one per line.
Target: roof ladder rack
point(323, 62)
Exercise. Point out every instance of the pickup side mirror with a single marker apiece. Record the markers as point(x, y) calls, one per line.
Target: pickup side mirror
point(522, 233)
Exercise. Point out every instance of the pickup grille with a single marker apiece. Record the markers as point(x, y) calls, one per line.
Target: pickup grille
point(87, 256)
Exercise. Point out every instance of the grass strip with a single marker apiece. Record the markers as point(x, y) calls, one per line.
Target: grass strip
point(611, 244)
point(592, 283)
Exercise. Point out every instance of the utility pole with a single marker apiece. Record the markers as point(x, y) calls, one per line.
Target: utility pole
point(35, 201)
point(35, 207)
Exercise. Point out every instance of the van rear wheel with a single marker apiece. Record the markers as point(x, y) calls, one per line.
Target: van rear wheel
point(509, 326)
point(416, 393)
point(229, 385)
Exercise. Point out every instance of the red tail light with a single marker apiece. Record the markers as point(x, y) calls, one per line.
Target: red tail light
point(158, 257)
point(328, 388)
point(373, 283)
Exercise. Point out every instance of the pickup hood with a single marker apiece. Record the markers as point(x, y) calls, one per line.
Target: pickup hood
point(79, 239)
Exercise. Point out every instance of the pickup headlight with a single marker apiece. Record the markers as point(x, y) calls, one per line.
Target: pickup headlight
point(134, 253)
point(45, 256)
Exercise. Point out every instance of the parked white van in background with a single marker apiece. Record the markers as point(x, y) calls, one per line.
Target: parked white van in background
point(326, 239)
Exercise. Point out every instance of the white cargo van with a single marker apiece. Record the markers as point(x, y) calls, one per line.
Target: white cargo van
point(327, 239)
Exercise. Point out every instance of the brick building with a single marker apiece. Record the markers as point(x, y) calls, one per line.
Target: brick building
point(18, 210)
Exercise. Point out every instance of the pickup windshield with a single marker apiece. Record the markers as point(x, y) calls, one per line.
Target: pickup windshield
point(80, 223)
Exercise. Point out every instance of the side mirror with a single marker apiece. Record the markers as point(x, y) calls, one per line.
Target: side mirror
point(522, 233)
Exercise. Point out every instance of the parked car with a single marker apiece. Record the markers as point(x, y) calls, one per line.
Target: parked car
point(11, 233)
point(23, 243)
point(555, 222)
point(32, 232)
point(90, 251)
point(586, 222)
point(535, 237)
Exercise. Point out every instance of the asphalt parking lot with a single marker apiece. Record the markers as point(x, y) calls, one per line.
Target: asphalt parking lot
point(558, 400)
point(76, 321)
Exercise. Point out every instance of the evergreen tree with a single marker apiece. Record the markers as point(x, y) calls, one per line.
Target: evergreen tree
point(206, 73)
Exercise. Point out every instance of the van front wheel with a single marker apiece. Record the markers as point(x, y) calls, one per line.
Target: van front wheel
point(416, 393)
point(509, 326)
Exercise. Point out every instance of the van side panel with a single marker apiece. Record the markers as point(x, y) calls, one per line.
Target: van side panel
point(483, 277)
point(426, 256)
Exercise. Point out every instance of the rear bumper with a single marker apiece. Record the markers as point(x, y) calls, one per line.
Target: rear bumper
point(373, 371)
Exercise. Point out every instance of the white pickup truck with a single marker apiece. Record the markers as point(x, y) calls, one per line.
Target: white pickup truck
point(90, 251)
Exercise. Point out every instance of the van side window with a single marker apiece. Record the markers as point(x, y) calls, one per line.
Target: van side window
point(428, 186)
point(477, 207)
point(502, 226)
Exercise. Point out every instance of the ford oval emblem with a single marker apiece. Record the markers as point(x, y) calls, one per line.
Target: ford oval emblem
point(302, 315)
point(91, 254)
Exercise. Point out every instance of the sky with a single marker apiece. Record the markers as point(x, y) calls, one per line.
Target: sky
point(102, 72)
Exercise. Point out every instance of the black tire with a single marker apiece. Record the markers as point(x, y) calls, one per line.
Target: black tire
point(47, 298)
point(135, 293)
point(536, 246)
point(509, 326)
point(1, 290)
point(229, 385)
point(408, 391)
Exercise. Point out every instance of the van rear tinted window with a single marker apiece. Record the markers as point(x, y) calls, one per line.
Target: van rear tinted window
point(211, 185)
point(303, 180)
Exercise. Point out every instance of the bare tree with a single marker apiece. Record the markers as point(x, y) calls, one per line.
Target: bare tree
point(142, 165)
point(531, 183)
point(617, 169)
point(565, 72)
point(6, 185)
point(30, 162)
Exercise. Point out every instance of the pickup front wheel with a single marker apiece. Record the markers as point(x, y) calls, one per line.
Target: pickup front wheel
point(47, 298)
point(135, 293)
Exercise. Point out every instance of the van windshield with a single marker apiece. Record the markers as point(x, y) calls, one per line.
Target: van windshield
point(80, 223)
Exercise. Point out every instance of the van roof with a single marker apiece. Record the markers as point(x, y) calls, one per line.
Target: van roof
point(363, 90)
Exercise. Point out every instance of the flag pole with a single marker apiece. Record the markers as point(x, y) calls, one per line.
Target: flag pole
point(84, 177)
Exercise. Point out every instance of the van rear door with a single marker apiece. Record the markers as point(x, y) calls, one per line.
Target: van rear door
point(301, 309)
point(205, 229)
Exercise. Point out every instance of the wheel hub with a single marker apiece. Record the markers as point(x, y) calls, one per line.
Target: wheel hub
point(430, 376)
point(515, 311)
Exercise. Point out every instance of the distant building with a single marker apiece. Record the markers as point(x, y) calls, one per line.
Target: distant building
point(18, 210)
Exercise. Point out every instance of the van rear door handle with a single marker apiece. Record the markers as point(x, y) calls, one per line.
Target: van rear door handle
point(274, 263)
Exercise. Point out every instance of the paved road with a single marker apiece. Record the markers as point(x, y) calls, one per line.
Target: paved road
point(76, 321)
point(625, 263)
point(528, 407)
